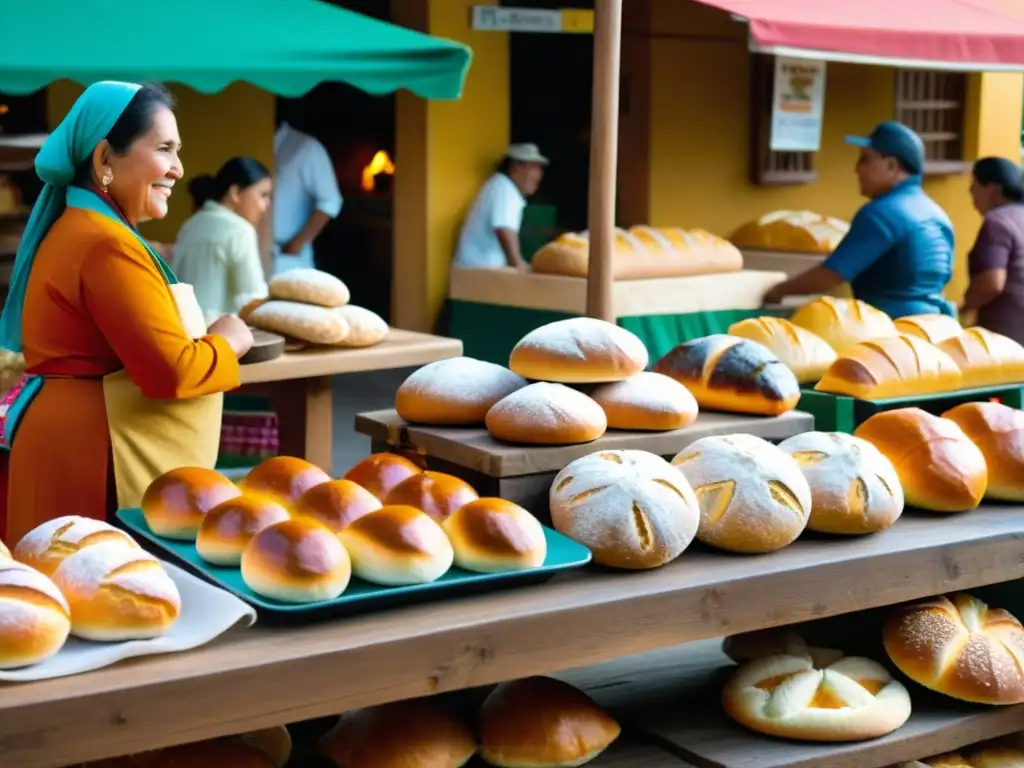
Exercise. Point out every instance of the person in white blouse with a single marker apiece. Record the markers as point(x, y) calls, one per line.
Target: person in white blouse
point(217, 250)
point(490, 233)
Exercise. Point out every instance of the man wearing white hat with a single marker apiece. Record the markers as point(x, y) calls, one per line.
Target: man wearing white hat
point(490, 233)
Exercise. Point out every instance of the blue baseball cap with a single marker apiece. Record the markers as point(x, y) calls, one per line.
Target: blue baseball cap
point(892, 139)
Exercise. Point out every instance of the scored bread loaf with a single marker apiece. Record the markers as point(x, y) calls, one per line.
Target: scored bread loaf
point(493, 535)
point(932, 328)
point(647, 401)
point(792, 232)
point(456, 391)
point(803, 352)
point(546, 414)
point(34, 616)
point(727, 373)
point(896, 366)
point(304, 322)
point(365, 328)
point(397, 545)
point(580, 350)
point(309, 286)
point(380, 472)
point(843, 322)
point(47, 545)
point(998, 431)
point(986, 359)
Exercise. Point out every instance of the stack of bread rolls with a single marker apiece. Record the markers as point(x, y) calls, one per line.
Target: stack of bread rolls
point(792, 232)
point(805, 353)
point(312, 307)
point(643, 252)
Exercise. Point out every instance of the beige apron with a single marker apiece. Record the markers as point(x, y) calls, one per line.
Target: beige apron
point(149, 437)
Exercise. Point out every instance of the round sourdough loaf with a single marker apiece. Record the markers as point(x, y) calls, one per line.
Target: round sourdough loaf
point(380, 472)
point(632, 509)
point(459, 390)
point(803, 352)
point(843, 322)
point(229, 527)
point(365, 328)
point(854, 488)
point(436, 493)
point(751, 494)
point(397, 545)
point(175, 503)
point(932, 328)
point(34, 616)
point(296, 561)
point(493, 535)
point(998, 431)
point(336, 503)
point(47, 545)
point(647, 401)
point(580, 350)
point(284, 479)
point(546, 414)
point(309, 286)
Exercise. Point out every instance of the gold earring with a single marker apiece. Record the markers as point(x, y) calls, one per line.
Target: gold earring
point(107, 179)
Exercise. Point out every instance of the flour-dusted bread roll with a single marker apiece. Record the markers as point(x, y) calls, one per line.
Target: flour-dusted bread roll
point(727, 373)
point(985, 358)
point(228, 528)
point(47, 545)
point(998, 431)
point(788, 696)
point(417, 733)
point(397, 545)
point(336, 503)
point(539, 721)
point(365, 328)
point(934, 329)
point(492, 535)
point(959, 647)
point(34, 616)
point(546, 414)
point(296, 561)
point(939, 467)
point(854, 488)
point(309, 286)
point(807, 355)
point(896, 366)
point(778, 641)
point(580, 350)
point(284, 479)
point(460, 390)
point(647, 401)
point(302, 322)
point(436, 493)
point(175, 503)
point(380, 472)
point(843, 322)
point(632, 509)
point(117, 593)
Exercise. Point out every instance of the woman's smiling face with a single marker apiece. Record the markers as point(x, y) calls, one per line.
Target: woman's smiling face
point(142, 178)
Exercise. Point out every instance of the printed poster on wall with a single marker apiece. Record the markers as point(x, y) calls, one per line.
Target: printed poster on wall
point(798, 105)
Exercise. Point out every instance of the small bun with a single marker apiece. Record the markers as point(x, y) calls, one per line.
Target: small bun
point(494, 535)
point(580, 350)
point(336, 503)
point(174, 504)
point(397, 545)
point(435, 493)
point(34, 616)
point(459, 390)
point(284, 479)
point(296, 561)
point(647, 401)
point(543, 723)
point(380, 472)
point(998, 431)
point(117, 593)
point(546, 414)
point(46, 546)
point(230, 526)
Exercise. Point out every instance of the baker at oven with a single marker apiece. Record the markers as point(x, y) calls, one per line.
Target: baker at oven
point(898, 254)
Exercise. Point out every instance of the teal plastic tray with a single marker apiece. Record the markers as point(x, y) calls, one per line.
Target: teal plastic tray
point(361, 596)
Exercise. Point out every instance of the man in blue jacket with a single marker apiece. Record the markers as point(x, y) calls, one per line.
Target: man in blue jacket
point(898, 254)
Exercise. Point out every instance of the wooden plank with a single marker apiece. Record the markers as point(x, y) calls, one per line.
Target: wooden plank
point(267, 676)
point(473, 448)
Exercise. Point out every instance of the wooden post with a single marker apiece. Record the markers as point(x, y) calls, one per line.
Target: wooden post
point(604, 140)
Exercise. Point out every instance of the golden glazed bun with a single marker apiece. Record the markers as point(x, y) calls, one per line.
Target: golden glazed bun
point(459, 390)
point(632, 509)
point(760, 644)
point(934, 329)
point(727, 373)
point(47, 545)
point(580, 350)
point(284, 479)
point(751, 494)
point(336, 503)
point(436, 493)
point(803, 352)
point(380, 472)
point(174, 504)
point(34, 616)
point(397, 545)
point(939, 468)
point(539, 722)
point(417, 733)
point(843, 322)
point(647, 401)
point(959, 647)
point(998, 431)
point(986, 359)
point(296, 561)
point(494, 535)
point(788, 696)
point(365, 328)
point(546, 414)
point(229, 527)
point(854, 488)
point(309, 286)
point(117, 593)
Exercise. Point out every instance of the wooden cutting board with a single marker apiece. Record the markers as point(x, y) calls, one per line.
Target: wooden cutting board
point(266, 346)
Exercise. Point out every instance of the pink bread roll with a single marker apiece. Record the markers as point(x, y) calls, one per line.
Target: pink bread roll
point(546, 414)
point(34, 616)
point(46, 546)
point(456, 391)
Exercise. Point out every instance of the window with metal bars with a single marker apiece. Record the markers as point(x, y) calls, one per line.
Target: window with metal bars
point(769, 168)
point(933, 104)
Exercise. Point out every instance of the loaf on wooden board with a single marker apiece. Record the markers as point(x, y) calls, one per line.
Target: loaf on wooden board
point(932, 328)
point(805, 353)
point(304, 322)
point(647, 401)
point(985, 358)
point(843, 322)
point(457, 391)
point(998, 431)
point(580, 350)
point(792, 232)
point(309, 286)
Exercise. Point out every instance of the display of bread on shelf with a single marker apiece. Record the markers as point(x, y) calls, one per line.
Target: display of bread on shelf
point(998, 431)
point(934, 329)
point(456, 391)
point(843, 322)
point(35, 619)
point(986, 358)
point(803, 352)
point(648, 401)
point(580, 350)
point(642, 252)
point(792, 232)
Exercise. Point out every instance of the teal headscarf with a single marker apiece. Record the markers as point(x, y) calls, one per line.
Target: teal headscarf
point(90, 120)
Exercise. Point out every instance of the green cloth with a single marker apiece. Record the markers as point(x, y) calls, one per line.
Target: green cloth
point(283, 46)
point(660, 333)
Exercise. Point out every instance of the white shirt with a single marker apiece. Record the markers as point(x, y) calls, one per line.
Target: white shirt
point(304, 182)
point(499, 205)
point(218, 253)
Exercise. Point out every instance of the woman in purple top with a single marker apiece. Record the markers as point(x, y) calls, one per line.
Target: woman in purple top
point(996, 262)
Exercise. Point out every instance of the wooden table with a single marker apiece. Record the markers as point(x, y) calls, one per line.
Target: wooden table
point(299, 384)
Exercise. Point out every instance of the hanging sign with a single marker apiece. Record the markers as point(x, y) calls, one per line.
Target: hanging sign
point(495, 18)
point(798, 105)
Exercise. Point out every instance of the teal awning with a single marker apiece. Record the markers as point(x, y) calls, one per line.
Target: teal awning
point(283, 46)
